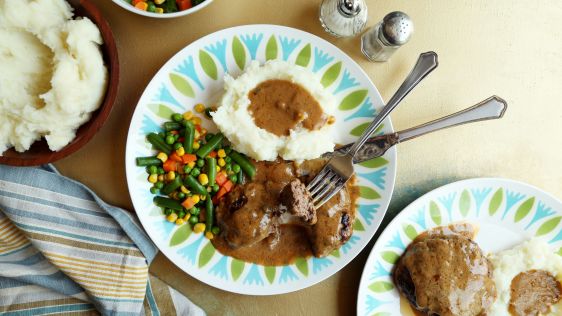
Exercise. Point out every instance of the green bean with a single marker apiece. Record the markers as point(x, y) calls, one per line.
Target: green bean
point(210, 145)
point(241, 178)
point(159, 143)
point(194, 185)
point(208, 214)
point(171, 126)
point(244, 163)
point(148, 161)
point(177, 117)
point(211, 170)
point(165, 202)
point(171, 186)
point(188, 137)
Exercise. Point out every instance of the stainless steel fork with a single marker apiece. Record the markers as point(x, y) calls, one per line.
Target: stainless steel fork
point(339, 168)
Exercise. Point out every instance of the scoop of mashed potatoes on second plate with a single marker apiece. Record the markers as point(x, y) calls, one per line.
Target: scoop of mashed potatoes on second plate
point(527, 279)
point(53, 75)
point(277, 109)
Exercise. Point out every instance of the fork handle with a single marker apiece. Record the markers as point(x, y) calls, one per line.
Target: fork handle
point(492, 108)
point(426, 63)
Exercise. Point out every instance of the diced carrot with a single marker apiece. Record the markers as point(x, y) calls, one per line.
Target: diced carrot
point(174, 132)
point(134, 2)
point(187, 158)
point(170, 165)
point(184, 5)
point(198, 128)
point(174, 156)
point(141, 5)
point(188, 203)
point(221, 178)
point(221, 193)
point(213, 154)
point(228, 185)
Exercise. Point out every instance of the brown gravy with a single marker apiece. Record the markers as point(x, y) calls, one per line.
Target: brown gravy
point(533, 292)
point(278, 106)
point(289, 242)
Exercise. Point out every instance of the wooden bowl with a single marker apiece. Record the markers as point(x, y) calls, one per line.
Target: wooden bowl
point(39, 153)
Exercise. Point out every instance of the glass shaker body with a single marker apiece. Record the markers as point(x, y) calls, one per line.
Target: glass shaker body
point(374, 46)
point(338, 23)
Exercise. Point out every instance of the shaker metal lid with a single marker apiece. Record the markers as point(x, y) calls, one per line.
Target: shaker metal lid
point(349, 8)
point(397, 28)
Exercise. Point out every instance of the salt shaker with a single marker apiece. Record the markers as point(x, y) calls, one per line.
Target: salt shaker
point(383, 39)
point(343, 18)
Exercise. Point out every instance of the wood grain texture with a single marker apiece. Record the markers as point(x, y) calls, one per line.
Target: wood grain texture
point(509, 48)
point(39, 153)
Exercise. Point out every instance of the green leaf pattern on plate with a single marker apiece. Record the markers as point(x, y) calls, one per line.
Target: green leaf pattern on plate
point(548, 226)
point(368, 193)
point(270, 273)
point(208, 64)
point(336, 253)
point(239, 53)
point(390, 256)
point(236, 268)
point(161, 110)
point(331, 74)
point(464, 203)
point(524, 209)
point(206, 254)
point(410, 231)
point(304, 56)
point(302, 265)
point(182, 85)
point(374, 163)
point(271, 48)
point(358, 226)
point(435, 213)
point(353, 100)
point(381, 286)
point(180, 235)
point(495, 202)
point(359, 129)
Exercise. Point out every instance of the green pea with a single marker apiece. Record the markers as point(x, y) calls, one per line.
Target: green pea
point(194, 211)
point(153, 190)
point(194, 220)
point(168, 211)
point(181, 214)
point(228, 167)
point(177, 146)
point(195, 172)
point(177, 117)
point(153, 169)
point(215, 230)
point(170, 139)
point(181, 195)
point(186, 169)
point(233, 178)
point(151, 7)
point(215, 187)
point(227, 159)
point(160, 170)
point(236, 168)
point(200, 163)
point(159, 185)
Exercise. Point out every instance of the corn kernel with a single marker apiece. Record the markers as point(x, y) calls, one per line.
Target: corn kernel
point(218, 168)
point(203, 197)
point(331, 120)
point(188, 115)
point(160, 177)
point(200, 108)
point(221, 162)
point(191, 164)
point(162, 156)
point(159, 1)
point(170, 176)
point(195, 198)
point(203, 131)
point(196, 135)
point(172, 217)
point(203, 179)
point(153, 178)
point(158, 10)
point(221, 153)
point(209, 235)
point(173, 195)
point(196, 145)
point(197, 120)
point(186, 217)
point(184, 190)
point(199, 228)
point(180, 151)
point(180, 221)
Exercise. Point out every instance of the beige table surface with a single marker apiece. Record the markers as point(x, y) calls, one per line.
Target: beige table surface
point(504, 47)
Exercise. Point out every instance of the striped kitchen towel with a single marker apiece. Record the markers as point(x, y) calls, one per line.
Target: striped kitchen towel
point(65, 251)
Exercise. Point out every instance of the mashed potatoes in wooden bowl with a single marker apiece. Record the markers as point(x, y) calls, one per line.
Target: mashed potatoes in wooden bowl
point(53, 74)
point(277, 109)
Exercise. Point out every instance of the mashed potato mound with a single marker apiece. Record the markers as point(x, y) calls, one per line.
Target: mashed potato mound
point(533, 254)
point(237, 124)
point(53, 75)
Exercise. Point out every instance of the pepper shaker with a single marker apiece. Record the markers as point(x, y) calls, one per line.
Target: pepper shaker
point(383, 39)
point(343, 18)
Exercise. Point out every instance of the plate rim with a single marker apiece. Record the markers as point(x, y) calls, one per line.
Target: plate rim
point(392, 172)
point(401, 214)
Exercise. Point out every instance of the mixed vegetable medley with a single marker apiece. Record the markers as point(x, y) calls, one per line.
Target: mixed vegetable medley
point(164, 6)
point(192, 171)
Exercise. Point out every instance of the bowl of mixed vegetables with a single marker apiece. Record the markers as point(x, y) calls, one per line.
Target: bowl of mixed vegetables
point(163, 8)
point(191, 170)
